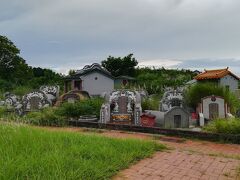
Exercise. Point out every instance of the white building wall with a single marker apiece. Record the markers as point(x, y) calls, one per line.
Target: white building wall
point(221, 106)
point(229, 81)
point(96, 83)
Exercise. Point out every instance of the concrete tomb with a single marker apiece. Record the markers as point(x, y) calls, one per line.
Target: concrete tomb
point(121, 107)
point(176, 117)
point(212, 107)
point(52, 93)
point(171, 113)
point(34, 101)
point(73, 96)
point(171, 98)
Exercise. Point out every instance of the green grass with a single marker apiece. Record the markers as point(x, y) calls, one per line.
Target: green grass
point(225, 126)
point(30, 153)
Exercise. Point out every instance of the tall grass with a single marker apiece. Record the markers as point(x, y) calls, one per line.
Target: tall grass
point(29, 153)
point(225, 126)
point(84, 107)
point(151, 103)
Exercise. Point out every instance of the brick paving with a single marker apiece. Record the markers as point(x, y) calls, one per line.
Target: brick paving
point(188, 159)
point(181, 165)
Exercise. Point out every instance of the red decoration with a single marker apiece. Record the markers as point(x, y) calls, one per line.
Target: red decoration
point(148, 120)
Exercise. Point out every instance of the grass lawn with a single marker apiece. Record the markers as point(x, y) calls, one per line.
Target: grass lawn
point(30, 153)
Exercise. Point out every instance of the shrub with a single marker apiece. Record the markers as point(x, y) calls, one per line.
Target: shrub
point(21, 90)
point(56, 116)
point(151, 103)
point(225, 126)
point(46, 117)
point(2, 111)
point(85, 107)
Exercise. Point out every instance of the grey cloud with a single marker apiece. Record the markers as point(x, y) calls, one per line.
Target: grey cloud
point(57, 32)
point(201, 64)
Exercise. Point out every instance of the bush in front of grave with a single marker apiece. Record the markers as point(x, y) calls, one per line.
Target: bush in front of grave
point(223, 126)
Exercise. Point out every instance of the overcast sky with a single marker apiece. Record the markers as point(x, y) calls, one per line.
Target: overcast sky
point(63, 35)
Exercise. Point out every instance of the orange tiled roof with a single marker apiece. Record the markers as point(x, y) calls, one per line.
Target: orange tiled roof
point(215, 74)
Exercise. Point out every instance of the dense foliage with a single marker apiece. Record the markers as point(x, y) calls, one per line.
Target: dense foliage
point(225, 126)
point(85, 107)
point(151, 103)
point(56, 116)
point(31, 153)
point(120, 66)
point(194, 94)
point(16, 73)
point(151, 79)
point(155, 79)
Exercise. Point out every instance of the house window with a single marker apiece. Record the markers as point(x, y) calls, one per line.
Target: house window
point(78, 85)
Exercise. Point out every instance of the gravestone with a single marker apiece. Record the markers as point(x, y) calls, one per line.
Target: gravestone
point(52, 93)
point(35, 101)
point(73, 96)
point(12, 103)
point(176, 117)
point(213, 107)
point(121, 107)
point(171, 98)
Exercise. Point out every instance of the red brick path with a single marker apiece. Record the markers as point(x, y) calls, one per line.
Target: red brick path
point(188, 160)
point(181, 165)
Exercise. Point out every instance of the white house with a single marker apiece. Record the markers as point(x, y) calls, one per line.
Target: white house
point(94, 79)
point(223, 77)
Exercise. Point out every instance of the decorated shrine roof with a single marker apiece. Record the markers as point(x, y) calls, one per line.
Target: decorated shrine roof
point(89, 69)
point(215, 74)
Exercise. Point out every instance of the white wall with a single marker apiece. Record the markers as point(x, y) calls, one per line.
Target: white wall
point(97, 86)
point(221, 107)
point(229, 81)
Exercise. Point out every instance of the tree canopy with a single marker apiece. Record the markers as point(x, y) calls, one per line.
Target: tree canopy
point(12, 66)
point(120, 66)
point(15, 72)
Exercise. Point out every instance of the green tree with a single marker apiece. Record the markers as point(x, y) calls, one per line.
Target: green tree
point(12, 66)
point(120, 66)
point(16, 74)
point(7, 53)
point(71, 72)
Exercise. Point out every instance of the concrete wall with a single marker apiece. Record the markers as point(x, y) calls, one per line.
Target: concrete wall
point(169, 117)
point(96, 83)
point(205, 107)
point(229, 81)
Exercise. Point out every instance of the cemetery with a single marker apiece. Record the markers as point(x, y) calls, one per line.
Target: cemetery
point(124, 106)
point(120, 90)
point(70, 126)
point(92, 103)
